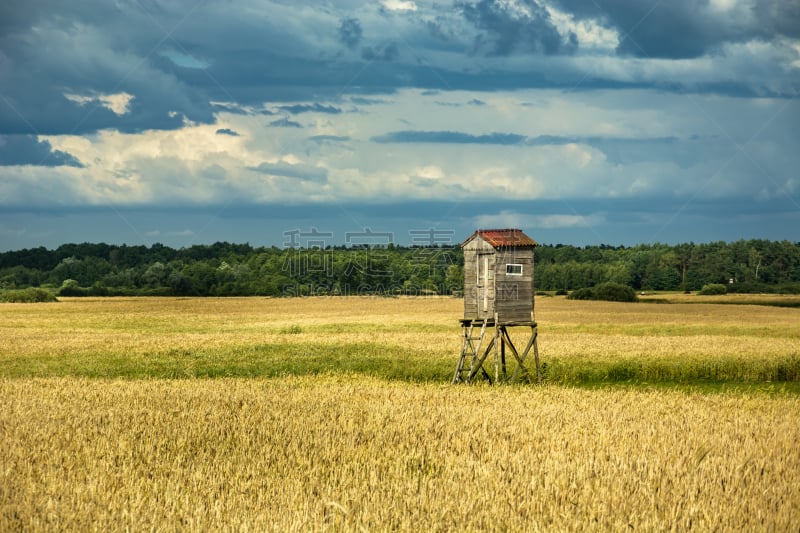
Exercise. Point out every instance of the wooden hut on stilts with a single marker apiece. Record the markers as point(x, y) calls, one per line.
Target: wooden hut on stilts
point(498, 294)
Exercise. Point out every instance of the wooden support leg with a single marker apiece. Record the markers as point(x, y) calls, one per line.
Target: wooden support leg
point(497, 346)
point(535, 334)
point(478, 365)
point(503, 355)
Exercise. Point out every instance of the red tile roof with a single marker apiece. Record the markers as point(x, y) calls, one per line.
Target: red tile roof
point(504, 237)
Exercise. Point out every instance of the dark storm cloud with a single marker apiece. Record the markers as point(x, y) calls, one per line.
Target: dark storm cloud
point(387, 52)
point(230, 107)
point(350, 32)
point(456, 137)
point(237, 109)
point(617, 150)
point(310, 108)
point(227, 131)
point(360, 100)
point(472, 102)
point(329, 138)
point(450, 137)
point(98, 48)
point(297, 171)
point(686, 28)
point(34, 105)
point(28, 150)
point(251, 56)
point(285, 123)
point(506, 30)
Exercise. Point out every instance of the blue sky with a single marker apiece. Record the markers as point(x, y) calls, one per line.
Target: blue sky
point(188, 122)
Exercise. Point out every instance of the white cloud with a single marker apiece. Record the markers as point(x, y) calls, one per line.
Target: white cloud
point(399, 5)
point(589, 32)
point(673, 146)
point(792, 47)
point(118, 103)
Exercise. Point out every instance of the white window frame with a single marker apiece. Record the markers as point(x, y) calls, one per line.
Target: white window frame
point(509, 271)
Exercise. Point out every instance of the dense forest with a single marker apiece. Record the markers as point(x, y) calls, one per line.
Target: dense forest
point(225, 269)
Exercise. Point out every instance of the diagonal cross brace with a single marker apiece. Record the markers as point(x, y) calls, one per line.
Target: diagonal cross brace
point(477, 365)
point(521, 368)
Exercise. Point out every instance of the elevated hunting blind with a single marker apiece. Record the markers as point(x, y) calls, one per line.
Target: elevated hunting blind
point(498, 293)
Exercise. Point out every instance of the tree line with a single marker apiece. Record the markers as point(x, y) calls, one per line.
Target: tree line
point(228, 269)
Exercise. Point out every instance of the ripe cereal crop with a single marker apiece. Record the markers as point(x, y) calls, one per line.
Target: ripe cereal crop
point(336, 414)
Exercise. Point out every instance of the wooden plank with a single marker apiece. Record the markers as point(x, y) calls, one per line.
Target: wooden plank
point(467, 330)
point(520, 302)
point(514, 306)
point(513, 315)
point(536, 355)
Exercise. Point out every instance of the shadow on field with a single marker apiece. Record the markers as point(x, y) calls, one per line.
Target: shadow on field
point(395, 363)
point(261, 360)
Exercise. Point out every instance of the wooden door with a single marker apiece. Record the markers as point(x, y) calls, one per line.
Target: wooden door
point(484, 292)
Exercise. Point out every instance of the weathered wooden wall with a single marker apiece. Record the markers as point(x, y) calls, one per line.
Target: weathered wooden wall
point(514, 294)
point(511, 297)
point(476, 291)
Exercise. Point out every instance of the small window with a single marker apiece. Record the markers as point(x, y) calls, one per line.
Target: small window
point(513, 269)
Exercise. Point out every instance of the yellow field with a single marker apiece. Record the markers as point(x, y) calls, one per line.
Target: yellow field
point(169, 337)
point(342, 450)
point(430, 325)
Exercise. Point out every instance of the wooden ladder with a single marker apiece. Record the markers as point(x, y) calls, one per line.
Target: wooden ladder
point(470, 349)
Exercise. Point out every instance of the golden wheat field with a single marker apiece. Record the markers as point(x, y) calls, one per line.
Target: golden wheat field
point(202, 414)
